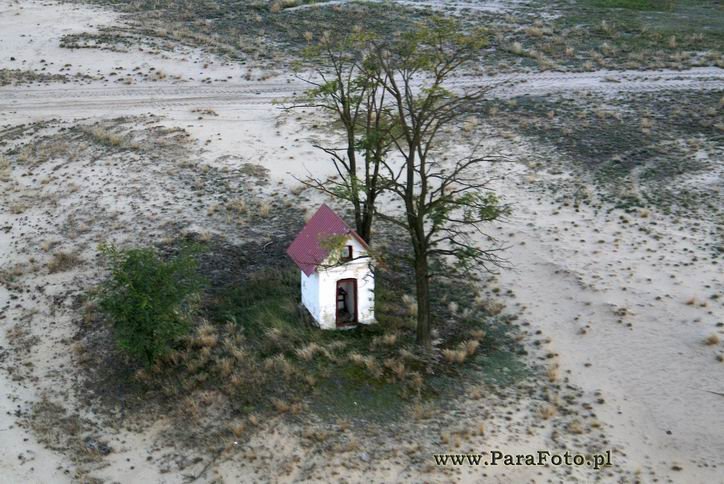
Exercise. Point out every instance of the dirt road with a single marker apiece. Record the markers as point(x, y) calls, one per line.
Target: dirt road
point(53, 99)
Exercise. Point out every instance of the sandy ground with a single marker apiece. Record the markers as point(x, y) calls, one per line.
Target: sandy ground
point(642, 347)
point(650, 362)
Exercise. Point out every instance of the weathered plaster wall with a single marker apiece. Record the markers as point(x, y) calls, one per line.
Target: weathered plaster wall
point(319, 291)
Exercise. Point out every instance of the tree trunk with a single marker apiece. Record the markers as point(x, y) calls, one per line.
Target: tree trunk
point(364, 228)
point(424, 318)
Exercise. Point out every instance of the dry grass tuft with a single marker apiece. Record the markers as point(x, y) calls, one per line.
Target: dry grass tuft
point(410, 303)
point(226, 366)
point(356, 358)
point(388, 339)
point(516, 48)
point(206, 336)
point(477, 334)
point(476, 392)
point(575, 427)
point(237, 428)
point(264, 209)
point(712, 340)
point(493, 307)
point(421, 411)
point(280, 405)
point(368, 362)
point(470, 346)
point(455, 356)
point(62, 262)
point(397, 368)
point(4, 169)
point(547, 411)
point(281, 363)
point(105, 137)
point(553, 373)
point(309, 351)
point(237, 205)
point(534, 31)
point(464, 350)
point(190, 408)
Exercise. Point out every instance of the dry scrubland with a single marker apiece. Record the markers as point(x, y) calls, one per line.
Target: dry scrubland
point(604, 334)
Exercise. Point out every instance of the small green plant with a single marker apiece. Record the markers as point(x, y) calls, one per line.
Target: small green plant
point(149, 299)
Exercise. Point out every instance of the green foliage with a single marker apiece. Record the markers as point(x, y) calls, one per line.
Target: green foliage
point(429, 46)
point(148, 299)
point(334, 243)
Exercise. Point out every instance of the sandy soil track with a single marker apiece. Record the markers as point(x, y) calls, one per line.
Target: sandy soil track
point(54, 98)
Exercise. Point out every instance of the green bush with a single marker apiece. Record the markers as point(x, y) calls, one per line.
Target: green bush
point(149, 300)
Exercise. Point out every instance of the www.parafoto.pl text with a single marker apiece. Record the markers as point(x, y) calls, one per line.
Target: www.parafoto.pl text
point(539, 458)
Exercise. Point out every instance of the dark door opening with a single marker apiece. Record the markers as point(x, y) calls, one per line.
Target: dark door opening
point(346, 301)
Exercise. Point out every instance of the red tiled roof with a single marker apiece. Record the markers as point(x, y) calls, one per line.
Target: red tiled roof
point(306, 250)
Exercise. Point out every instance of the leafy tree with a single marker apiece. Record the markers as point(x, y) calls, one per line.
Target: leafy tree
point(445, 203)
point(149, 300)
point(348, 88)
point(394, 100)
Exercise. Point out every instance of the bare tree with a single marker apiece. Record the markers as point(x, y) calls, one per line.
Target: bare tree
point(346, 86)
point(445, 203)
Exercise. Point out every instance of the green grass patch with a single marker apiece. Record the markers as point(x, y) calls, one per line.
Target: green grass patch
point(254, 350)
point(636, 4)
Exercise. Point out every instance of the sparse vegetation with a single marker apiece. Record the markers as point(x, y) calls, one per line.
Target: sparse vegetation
point(112, 136)
point(636, 33)
point(260, 32)
point(638, 150)
point(252, 350)
point(19, 77)
point(63, 261)
point(66, 431)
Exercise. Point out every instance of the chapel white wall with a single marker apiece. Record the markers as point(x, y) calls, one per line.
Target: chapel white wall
point(328, 292)
point(319, 291)
point(310, 294)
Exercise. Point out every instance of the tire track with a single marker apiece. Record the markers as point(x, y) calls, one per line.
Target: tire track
point(50, 98)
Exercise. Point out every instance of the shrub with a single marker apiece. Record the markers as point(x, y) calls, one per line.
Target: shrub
point(149, 300)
